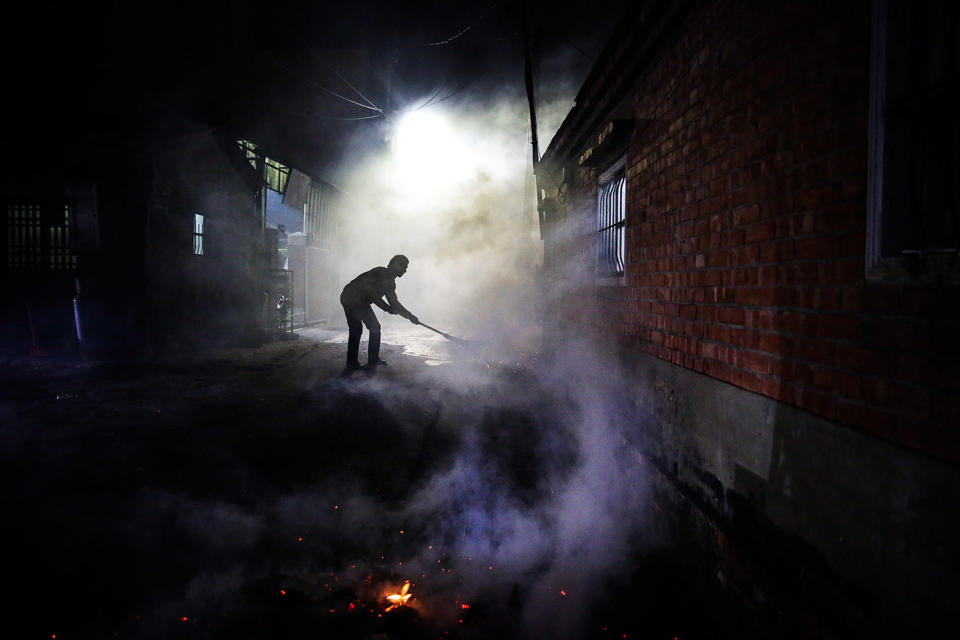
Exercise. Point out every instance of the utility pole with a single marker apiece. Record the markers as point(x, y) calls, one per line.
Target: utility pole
point(528, 83)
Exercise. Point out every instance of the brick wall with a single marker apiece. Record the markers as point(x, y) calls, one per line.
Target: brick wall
point(746, 222)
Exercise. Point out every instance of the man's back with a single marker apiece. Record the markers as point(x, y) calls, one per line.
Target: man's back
point(369, 287)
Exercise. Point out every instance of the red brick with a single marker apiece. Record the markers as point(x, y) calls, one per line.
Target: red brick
point(761, 232)
point(816, 350)
point(759, 318)
point(757, 362)
point(731, 315)
point(772, 343)
point(720, 370)
point(839, 327)
point(746, 380)
point(820, 248)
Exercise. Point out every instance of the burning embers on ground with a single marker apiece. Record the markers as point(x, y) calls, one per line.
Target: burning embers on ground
point(399, 599)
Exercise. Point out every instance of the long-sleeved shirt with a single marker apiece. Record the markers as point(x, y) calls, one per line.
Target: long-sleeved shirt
point(371, 287)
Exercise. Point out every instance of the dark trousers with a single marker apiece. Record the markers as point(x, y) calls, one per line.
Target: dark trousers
point(357, 316)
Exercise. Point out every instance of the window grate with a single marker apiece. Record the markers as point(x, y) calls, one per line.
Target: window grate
point(914, 196)
point(611, 224)
point(61, 255)
point(198, 234)
point(24, 249)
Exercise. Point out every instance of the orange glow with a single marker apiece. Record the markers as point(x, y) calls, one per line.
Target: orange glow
point(283, 592)
point(464, 606)
point(399, 599)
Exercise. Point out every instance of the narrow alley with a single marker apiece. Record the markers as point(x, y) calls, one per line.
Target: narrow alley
point(260, 492)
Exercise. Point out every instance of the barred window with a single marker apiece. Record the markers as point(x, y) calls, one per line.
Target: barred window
point(39, 237)
point(24, 229)
point(61, 255)
point(198, 234)
point(611, 222)
point(914, 223)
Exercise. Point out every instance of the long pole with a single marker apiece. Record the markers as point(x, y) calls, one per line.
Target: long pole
point(531, 103)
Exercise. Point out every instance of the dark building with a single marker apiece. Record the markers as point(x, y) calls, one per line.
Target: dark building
point(757, 202)
point(133, 205)
point(136, 248)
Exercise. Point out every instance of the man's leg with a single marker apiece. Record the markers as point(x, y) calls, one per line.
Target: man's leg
point(353, 340)
point(369, 318)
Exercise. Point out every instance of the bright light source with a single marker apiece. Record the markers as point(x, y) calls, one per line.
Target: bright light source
point(430, 153)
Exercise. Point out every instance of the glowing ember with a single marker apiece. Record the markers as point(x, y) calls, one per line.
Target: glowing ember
point(399, 599)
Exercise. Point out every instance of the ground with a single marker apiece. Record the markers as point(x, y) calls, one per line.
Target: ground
point(267, 493)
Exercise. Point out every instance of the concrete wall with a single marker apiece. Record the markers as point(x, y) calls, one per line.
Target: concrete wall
point(795, 511)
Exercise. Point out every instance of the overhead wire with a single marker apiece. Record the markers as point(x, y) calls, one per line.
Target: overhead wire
point(318, 86)
point(316, 54)
point(464, 30)
point(431, 99)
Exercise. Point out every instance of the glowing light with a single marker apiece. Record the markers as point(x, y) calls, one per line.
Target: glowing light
point(399, 599)
point(430, 152)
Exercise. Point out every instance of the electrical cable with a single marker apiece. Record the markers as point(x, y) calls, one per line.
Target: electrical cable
point(433, 97)
point(454, 92)
point(464, 30)
point(316, 54)
point(314, 84)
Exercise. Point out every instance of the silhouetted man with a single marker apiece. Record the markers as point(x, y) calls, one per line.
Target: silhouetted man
point(371, 287)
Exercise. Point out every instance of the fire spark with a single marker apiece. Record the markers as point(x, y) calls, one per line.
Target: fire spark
point(399, 599)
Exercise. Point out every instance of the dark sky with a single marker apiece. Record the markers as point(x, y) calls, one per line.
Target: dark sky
point(281, 70)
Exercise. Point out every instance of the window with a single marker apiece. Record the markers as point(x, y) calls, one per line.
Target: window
point(914, 180)
point(24, 250)
point(39, 237)
point(275, 174)
point(61, 254)
point(611, 221)
point(198, 234)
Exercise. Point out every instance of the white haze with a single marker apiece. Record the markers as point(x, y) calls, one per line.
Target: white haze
point(462, 208)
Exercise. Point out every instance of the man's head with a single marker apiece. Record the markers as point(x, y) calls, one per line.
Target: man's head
point(398, 265)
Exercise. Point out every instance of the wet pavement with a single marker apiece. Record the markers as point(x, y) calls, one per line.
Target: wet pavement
point(268, 493)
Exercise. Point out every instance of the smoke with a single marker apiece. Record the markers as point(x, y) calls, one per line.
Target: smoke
point(508, 490)
point(529, 506)
point(453, 192)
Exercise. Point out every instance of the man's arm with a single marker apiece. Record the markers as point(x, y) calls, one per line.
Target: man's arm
point(399, 309)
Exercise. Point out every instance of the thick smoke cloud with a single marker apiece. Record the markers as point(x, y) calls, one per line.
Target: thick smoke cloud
point(456, 197)
point(534, 506)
